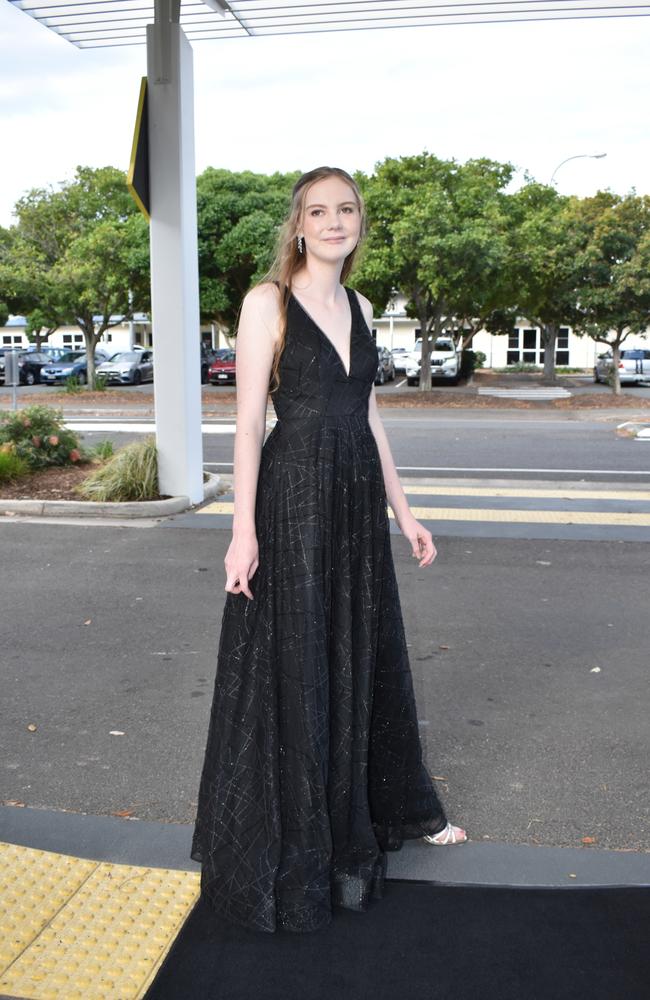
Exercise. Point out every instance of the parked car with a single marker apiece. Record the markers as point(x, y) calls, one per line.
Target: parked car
point(128, 368)
point(222, 371)
point(385, 367)
point(208, 355)
point(633, 366)
point(56, 353)
point(71, 364)
point(30, 364)
point(3, 351)
point(401, 358)
point(445, 362)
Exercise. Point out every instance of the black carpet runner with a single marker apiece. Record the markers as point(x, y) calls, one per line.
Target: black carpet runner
point(426, 941)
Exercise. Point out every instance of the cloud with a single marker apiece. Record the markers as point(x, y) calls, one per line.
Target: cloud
point(530, 94)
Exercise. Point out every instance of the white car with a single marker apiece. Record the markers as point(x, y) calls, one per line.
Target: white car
point(445, 361)
point(633, 367)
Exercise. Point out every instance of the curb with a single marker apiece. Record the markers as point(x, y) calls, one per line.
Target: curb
point(156, 844)
point(634, 429)
point(96, 508)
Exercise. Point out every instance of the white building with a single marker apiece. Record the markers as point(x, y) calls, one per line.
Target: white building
point(523, 345)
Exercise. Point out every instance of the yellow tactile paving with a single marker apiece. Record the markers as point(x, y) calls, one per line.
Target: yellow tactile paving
point(507, 491)
point(529, 516)
point(494, 514)
point(74, 929)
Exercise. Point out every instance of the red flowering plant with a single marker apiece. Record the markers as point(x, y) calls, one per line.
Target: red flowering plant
point(37, 435)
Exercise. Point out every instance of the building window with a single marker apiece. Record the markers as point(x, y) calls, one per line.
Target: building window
point(531, 346)
point(526, 345)
point(512, 357)
point(562, 346)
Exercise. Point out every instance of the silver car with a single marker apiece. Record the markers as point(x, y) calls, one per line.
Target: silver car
point(633, 367)
point(128, 368)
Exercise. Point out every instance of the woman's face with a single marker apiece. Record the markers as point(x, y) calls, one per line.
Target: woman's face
point(331, 221)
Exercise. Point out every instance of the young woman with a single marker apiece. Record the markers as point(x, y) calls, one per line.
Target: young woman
point(313, 766)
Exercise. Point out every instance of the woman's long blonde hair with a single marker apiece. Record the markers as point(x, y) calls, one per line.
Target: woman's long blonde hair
point(288, 260)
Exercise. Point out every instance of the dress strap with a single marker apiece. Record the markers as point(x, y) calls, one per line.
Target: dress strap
point(355, 305)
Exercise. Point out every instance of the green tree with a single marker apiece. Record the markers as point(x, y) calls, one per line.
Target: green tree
point(25, 285)
point(612, 251)
point(5, 277)
point(438, 233)
point(539, 279)
point(80, 255)
point(238, 218)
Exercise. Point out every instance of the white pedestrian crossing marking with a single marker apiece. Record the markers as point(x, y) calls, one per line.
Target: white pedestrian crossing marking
point(526, 392)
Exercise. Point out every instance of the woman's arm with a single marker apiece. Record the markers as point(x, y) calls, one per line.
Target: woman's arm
point(394, 492)
point(256, 336)
point(420, 537)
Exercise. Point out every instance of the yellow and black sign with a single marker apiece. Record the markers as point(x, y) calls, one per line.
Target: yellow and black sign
point(137, 179)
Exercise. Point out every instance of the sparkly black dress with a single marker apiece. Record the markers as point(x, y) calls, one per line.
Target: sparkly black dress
point(313, 766)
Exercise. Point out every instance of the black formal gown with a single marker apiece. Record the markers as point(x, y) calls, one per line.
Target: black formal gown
point(313, 767)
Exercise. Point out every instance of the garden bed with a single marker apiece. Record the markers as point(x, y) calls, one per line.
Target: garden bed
point(55, 483)
point(448, 399)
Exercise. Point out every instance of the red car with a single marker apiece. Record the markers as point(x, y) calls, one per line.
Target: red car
point(222, 371)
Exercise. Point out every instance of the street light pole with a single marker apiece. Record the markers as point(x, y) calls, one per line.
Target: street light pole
point(579, 156)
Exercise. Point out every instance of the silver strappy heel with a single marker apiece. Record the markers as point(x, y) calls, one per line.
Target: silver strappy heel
point(448, 835)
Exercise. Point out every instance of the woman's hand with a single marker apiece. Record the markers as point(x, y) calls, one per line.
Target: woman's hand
point(242, 559)
point(420, 538)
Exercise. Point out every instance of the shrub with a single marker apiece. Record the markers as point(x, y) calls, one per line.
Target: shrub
point(38, 436)
point(520, 366)
point(11, 466)
point(72, 384)
point(104, 450)
point(132, 474)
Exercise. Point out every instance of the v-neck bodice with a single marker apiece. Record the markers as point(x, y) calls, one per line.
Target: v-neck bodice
point(313, 379)
point(348, 370)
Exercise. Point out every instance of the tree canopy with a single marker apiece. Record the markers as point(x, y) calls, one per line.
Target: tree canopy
point(438, 233)
point(611, 247)
point(77, 253)
point(238, 218)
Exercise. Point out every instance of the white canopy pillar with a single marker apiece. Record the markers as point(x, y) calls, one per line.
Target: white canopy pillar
point(174, 255)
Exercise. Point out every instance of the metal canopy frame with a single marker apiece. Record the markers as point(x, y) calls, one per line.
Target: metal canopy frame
point(109, 23)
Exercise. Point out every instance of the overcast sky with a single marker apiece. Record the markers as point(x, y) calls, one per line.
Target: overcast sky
point(531, 94)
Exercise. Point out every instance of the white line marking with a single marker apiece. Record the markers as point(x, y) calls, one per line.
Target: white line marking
point(134, 428)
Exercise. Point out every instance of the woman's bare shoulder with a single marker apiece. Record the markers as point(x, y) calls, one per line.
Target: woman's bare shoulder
point(263, 301)
point(264, 296)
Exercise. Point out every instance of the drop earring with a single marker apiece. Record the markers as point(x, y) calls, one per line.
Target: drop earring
point(300, 244)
